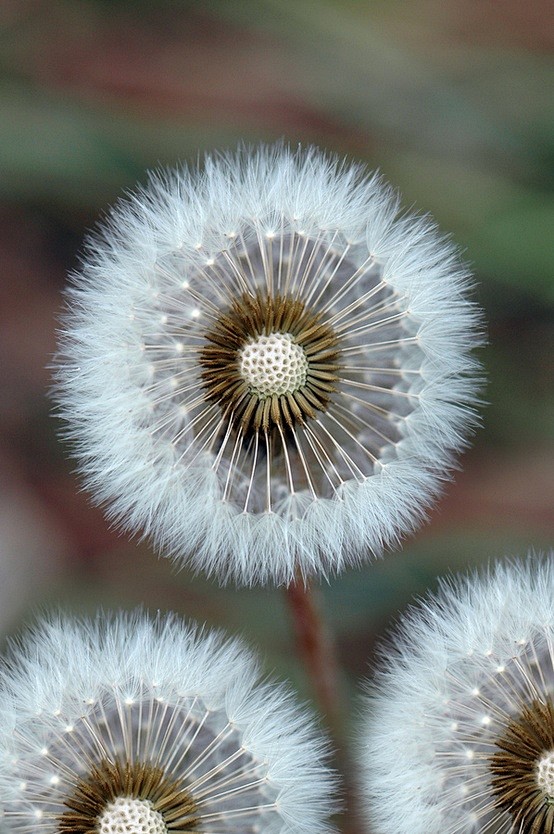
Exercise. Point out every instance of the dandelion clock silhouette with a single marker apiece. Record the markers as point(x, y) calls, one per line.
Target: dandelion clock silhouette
point(265, 365)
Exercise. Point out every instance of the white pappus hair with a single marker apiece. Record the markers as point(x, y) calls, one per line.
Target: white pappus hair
point(150, 726)
point(265, 366)
point(459, 730)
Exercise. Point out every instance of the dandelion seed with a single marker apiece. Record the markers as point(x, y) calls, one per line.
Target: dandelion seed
point(128, 725)
point(460, 734)
point(265, 367)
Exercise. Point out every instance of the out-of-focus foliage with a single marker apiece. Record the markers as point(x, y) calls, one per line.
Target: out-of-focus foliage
point(451, 100)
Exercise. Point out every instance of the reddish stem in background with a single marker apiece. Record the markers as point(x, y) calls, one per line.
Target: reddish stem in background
point(317, 651)
point(316, 648)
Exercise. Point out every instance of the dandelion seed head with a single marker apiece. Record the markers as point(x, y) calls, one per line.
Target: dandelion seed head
point(202, 744)
point(462, 710)
point(265, 367)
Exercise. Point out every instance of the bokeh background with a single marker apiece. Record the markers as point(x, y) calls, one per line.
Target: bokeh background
point(450, 99)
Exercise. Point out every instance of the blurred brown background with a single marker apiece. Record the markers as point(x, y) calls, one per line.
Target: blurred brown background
point(451, 100)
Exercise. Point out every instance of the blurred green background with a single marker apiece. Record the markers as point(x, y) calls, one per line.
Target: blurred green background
point(451, 99)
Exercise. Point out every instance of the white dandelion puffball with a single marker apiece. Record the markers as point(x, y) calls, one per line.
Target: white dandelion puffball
point(127, 725)
point(265, 368)
point(459, 737)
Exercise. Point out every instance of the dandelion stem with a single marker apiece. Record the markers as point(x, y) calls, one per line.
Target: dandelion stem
point(317, 650)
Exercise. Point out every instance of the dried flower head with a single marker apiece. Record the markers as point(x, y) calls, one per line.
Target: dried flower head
point(460, 734)
point(265, 368)
point(128, 725)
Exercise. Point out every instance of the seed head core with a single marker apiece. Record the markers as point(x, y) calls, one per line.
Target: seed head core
point(545, 774)
point(523, 769)
point(128, 798)
point(273, 365)
point(128, 815)
point(269, 362)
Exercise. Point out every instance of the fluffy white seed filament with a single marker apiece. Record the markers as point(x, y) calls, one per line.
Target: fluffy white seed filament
point(127, 815)
point(545, 774)
point(273, 365)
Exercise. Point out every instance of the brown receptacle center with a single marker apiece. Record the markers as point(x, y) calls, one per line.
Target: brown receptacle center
point(97, 793)
point(518, 783)
point(269, 362)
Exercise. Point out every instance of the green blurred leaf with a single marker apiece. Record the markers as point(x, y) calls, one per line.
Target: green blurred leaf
point(514, 244)
point(503, 227)
point(55, 148)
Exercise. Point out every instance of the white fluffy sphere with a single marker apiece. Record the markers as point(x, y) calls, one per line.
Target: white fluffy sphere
point(265, 367)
